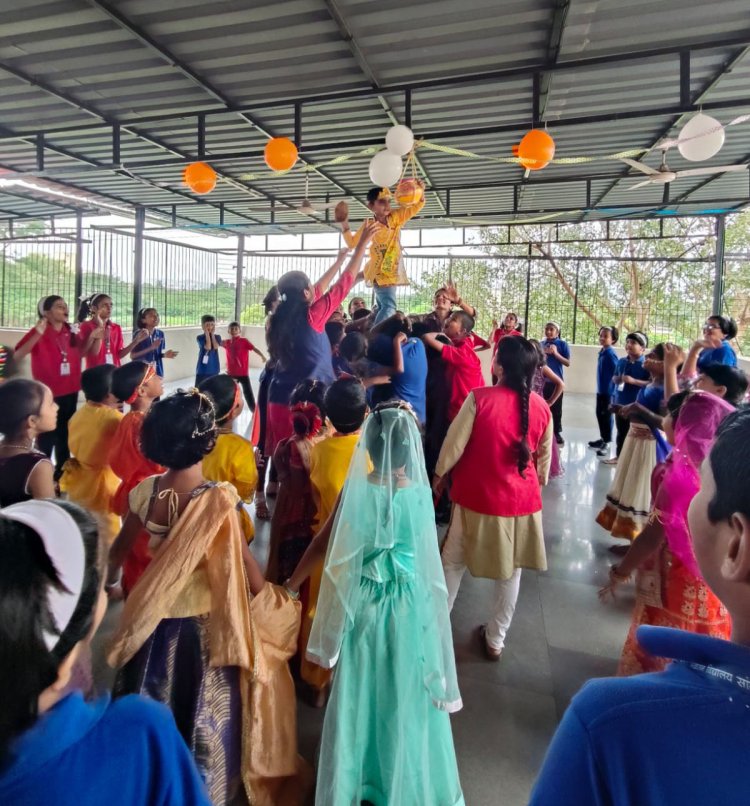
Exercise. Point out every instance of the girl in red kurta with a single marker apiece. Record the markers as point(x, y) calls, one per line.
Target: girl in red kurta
point(56, 351)
point(496, 522)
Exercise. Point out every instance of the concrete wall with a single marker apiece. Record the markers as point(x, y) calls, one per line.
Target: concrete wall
point(580, 377)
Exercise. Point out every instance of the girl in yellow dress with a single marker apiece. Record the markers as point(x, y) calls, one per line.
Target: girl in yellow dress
point(232, 458)
point(346, 407)
point(88, 478)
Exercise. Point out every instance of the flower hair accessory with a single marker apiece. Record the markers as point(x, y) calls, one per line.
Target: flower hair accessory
point(203, 400)
point(385, 193)
point(150, 372)
point(308, 414)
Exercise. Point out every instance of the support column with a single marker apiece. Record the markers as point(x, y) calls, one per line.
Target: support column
point(719, 268)
point(240, 272)
point(78, 290)
point(140, 223)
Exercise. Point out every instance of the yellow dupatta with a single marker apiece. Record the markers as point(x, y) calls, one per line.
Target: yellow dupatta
point(258, 634)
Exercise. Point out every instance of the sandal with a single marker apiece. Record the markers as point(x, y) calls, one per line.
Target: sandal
point(489, 652)
point(261, 508)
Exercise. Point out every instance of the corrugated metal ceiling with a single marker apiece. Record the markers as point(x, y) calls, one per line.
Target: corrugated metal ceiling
point(73, 69)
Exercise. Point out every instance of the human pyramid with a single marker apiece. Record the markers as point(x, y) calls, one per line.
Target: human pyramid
point(372, 428)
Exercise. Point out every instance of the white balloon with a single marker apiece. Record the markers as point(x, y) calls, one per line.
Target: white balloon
point(701, 138)
point(399, 140)
point(385, 169)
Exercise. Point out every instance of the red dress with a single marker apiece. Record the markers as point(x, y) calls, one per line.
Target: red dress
point(132, 467)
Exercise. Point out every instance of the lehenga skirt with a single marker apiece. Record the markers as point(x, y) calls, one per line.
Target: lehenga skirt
point(629, 498)
point(668, 595)
point(173, 668)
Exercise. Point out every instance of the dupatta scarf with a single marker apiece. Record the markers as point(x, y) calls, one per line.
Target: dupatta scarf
point(257, 634)
point(699, 418)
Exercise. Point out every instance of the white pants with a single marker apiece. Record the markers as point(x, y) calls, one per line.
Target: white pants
point(505, 594)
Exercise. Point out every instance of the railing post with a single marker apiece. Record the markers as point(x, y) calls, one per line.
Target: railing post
point(575, 302)
point(140, 223)
point(240, 272)
point(528, 293)
point(719, 268)
point(78, 283)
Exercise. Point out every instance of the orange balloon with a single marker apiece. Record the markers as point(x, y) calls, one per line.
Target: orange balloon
point(199, 177)
point(536, 150)
point(408, 193)
point(280, 154)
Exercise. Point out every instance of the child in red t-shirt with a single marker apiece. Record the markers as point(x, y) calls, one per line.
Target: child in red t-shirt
point(464, 369)
point(238, 355)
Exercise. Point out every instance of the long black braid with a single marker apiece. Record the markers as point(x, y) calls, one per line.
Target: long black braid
point(518, 359)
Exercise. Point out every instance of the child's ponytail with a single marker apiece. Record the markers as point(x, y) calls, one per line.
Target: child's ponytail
point(86, 304)
point(519, 360)
point(524, 451)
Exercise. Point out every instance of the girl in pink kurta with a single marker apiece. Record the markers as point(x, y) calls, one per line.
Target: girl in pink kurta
point(496, 522)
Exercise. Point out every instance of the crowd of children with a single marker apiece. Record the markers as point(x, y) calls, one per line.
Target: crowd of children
point(370, 429)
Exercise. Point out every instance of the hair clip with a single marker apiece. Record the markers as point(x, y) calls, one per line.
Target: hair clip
point(203, 398)
point(282, 297)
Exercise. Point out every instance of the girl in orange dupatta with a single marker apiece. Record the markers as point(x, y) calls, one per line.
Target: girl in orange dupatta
point(202, 631)
point(670, 591)
point(138, 385)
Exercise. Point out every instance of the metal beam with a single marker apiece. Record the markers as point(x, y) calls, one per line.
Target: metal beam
point(359, 57)
point(186, 70)
point(741, 39)
point(109, 121)
point(445, 134)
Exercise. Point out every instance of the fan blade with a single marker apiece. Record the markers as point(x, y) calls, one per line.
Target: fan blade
point(639, 166)
point(641, 184)
point(329, 205)
point(717, 169)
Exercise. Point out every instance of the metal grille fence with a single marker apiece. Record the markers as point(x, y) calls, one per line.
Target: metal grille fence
point(665, 291)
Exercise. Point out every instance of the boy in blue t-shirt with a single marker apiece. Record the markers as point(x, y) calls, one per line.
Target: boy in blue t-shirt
point(630, 377)
point(605, 370)
point(558, 356)
point(208, 350)
point(677, 736)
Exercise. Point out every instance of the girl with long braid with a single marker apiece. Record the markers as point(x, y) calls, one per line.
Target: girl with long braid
point(496, 522)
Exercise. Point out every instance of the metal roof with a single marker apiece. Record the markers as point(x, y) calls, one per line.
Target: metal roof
point(109, 100)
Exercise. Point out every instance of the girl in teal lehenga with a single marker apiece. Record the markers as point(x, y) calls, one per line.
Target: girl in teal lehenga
point(382, 620)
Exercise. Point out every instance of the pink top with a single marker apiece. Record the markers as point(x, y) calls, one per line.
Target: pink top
point(325, 304)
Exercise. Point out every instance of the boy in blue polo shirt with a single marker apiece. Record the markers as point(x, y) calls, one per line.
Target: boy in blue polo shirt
point(605, 370)
point(681, 735)
point(208, 350)
point(558, 356)
point(630, 376)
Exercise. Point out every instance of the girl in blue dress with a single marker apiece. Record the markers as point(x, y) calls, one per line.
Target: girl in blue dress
point(382, 619)
point(713, 347)
point(629, 498)
point(150, 342)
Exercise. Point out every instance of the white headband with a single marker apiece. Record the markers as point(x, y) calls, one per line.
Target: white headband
point(63, 544)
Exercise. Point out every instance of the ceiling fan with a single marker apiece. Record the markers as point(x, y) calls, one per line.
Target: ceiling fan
point(664, 175)
point(318, 208)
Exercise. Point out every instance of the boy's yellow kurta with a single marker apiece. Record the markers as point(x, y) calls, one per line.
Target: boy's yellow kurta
point(385, 266)
point(329, 465)
point(87, 478)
